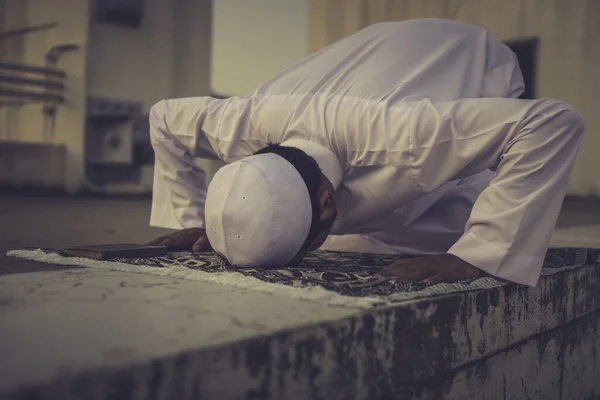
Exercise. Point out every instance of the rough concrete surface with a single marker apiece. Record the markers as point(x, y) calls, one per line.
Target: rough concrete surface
point(76, 333)
point(64, 321)
point(561, 363)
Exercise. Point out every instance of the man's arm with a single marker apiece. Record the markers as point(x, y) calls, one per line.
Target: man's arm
point(417, 147)
point(179, 184)
point(203, 127)
point(180, 131)
point(512, 221)
point(532, 145)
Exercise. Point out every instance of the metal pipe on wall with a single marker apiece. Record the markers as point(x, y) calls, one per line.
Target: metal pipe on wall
point(32, 69)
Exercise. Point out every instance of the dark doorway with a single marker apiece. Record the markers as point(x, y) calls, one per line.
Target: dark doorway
point(526, 51)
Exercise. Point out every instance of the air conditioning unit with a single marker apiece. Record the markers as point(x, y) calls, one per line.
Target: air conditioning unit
point(110, 131)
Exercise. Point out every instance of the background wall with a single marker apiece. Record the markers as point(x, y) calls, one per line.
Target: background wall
point(568, 52)
point(13, 15)
point(26, 123)
point(167, 56)
point(254, 40)
point(188, 47)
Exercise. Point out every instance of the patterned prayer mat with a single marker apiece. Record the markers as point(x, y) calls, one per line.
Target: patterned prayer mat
point(347, 274)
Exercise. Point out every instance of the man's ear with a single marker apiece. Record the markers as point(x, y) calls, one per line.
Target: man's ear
point(327, 205)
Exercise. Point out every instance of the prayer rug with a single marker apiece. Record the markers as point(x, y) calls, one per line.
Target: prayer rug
point(347, 275)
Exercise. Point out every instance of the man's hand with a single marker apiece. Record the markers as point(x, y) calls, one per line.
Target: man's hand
point(192, 238)
point(431, 269)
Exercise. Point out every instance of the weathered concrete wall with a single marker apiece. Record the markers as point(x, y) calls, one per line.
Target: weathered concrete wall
point(563, 363)
point(453, 345)
point(568, 55)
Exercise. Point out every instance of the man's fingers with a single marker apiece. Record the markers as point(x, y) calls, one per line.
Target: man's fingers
point(161, 241)
point(453, 275)
point(181, 242)
point(387, 272)
point(164, 242)
point(174, 242)
point(408, 270)
point(405, 274)
point(155, 242)
point(437, 278)
point(182, 239)
point(200, 244)
point(412, 276)
point(431, 269)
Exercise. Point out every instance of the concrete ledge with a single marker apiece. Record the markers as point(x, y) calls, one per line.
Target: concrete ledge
point(563, 363)
point(36, 165)
point(453, 346)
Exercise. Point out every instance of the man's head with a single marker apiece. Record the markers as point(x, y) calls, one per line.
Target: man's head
point(320, 190)
point(289, 206)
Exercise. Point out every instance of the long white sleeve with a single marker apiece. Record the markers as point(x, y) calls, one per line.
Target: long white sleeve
point(531, 144)
point(394, 154)
point(178, 135)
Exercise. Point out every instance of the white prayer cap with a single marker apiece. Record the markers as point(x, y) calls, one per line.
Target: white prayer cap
point(258, 211)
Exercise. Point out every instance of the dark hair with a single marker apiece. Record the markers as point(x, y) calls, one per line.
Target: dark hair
point(310, 172)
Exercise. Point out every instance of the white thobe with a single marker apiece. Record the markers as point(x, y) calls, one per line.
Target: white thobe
point(399, 107)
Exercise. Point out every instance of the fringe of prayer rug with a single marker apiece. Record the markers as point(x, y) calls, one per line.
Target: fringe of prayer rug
point(335, 278)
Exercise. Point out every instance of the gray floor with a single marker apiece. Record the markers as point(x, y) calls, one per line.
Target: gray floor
point(56, 321)
point(57, 222)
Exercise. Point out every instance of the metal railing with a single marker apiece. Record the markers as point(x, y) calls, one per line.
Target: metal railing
point(22, 83)
point(27, 83)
